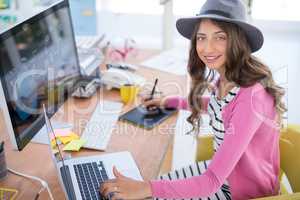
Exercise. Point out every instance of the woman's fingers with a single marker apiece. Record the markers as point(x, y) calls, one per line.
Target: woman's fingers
point(105, 184)
point(117, 173)
point(117, 196)
point(108, 187)
point(125, 188)
point(153, 102)
point(157, 102)
point(146, 99)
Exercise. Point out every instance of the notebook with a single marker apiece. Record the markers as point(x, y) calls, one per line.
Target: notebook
point(139, 117)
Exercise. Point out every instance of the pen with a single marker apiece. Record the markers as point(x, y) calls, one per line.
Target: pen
point(1, 146)
point(153, 89)
point(122, 67)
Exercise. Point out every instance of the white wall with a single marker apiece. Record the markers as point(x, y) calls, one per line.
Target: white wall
point(281, 49)
point(145, 29)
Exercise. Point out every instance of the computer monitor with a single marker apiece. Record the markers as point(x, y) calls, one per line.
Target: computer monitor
point(38, 64)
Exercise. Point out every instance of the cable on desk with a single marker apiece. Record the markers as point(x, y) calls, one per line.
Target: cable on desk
point(38, 194)
point(43, 183)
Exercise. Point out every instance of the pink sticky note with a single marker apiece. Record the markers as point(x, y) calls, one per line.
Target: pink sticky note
point(61, 132)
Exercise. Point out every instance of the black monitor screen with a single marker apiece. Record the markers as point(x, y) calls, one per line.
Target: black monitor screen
point(38, 64)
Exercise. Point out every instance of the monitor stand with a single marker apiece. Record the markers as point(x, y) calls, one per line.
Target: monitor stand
point(42, 138)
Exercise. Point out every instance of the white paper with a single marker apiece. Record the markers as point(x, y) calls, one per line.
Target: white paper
point(172, 61)
point(185, 145)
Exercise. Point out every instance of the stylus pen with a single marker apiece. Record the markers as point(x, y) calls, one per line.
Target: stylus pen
point(153, 89)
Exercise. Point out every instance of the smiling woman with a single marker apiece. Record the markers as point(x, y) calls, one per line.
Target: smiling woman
point(244, 106)
point(211, 44)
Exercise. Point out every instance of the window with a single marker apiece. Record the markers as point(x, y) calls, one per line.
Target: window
point(261, 9)
point(150, 7)
point(187, 7)
point(276, 9)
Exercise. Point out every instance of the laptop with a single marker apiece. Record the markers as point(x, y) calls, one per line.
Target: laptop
point(81, 177)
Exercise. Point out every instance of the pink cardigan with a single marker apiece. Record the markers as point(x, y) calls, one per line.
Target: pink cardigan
point(248, 158)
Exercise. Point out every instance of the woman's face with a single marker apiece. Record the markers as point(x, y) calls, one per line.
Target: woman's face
point(211, 45)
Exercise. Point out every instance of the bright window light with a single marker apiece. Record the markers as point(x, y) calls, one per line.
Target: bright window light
point(261, 9)
point(276, 9)
point(187, 7)
point(150, 7)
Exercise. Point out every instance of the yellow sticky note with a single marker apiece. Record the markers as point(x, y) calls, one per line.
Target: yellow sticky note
point(69, 138)
point(74, 145)
point(53, 143)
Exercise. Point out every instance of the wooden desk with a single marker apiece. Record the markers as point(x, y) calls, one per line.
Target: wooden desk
point(148, 148)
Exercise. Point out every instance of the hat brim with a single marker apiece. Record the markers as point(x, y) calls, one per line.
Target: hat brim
point(185, 27)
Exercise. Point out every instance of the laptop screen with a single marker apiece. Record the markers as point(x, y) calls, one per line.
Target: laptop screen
point(56, 153)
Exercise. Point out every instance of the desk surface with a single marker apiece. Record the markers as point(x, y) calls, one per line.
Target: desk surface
point(148, 147)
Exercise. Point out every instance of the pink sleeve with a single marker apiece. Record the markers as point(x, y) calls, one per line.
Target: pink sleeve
point(176, 102)
point(237, 137)
point(205, 100)
point(182, 103)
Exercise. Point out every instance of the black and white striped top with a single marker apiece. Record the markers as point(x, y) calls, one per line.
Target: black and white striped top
point(214, 110)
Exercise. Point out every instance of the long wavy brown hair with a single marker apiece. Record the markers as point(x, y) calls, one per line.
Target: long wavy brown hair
point(241, 68)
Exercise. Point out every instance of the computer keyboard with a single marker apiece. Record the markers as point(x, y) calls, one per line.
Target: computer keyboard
point(89, 177)
point(87, 42)
point(99, 128)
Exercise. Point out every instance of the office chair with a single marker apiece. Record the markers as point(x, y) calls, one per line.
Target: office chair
point(289, 145)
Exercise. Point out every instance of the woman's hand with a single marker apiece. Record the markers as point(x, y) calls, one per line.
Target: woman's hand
point(125, 188)
point(157, 101)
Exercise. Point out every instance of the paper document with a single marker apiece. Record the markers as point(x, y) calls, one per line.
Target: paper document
point(185, 145)
point(172, 61)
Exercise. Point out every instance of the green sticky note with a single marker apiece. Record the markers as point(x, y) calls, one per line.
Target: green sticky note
point(74, 145)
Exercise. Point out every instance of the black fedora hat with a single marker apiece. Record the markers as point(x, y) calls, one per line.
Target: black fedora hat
point(232, 11)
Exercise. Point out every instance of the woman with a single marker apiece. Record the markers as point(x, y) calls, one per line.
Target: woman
point(245, 109)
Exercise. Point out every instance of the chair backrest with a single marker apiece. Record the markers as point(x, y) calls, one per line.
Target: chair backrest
point(289, 155)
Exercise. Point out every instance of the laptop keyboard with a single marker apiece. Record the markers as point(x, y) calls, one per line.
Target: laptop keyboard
point(89, 177)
